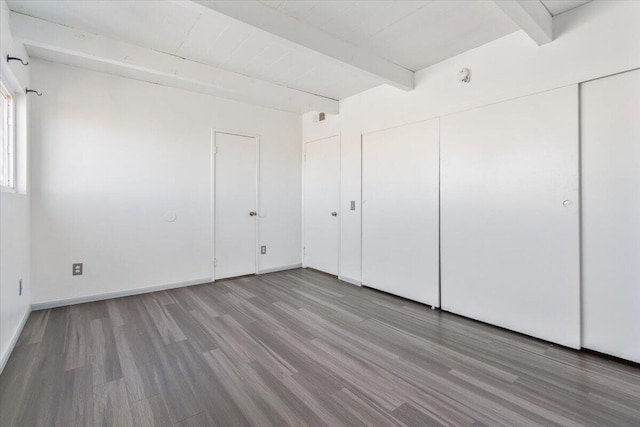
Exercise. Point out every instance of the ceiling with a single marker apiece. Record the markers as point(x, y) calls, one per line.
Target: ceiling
point(400, 36)
point(556, 7)
point(412, 34)
point(204, 36)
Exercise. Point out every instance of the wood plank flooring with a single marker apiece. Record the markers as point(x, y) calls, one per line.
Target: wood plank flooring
point(298, 348)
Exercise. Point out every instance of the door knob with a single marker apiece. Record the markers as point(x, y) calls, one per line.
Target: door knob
point(334, 213)
point(252, 213)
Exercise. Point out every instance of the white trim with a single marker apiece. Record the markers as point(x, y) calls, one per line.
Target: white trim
point(214, 151)
point(117, 294)
point(531, 16)
point(303, 175)
point(321, 138)
point(14, 339)
point(212, 190)
point(12, 145)
point(282, 268)
point(350, 280)
point(83, 49)
point(340, 211)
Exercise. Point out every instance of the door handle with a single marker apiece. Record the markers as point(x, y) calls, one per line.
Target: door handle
point(252, 213)
point(334, 213)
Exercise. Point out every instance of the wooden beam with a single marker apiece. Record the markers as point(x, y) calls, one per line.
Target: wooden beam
point(531, 16)
point(265, 17)
point(75, 47)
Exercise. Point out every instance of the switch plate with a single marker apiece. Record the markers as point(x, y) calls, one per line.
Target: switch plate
point(263, 250)
point(353, 205)
point(20, 287)
point(77, 269)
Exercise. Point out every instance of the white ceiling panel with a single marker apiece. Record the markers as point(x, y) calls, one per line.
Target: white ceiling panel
point(413, 34)
point(352, 21)
point(213, 38)
point(155, 24)
point(440, 30)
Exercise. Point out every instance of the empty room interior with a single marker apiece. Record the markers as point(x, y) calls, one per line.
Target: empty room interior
point(320, 213)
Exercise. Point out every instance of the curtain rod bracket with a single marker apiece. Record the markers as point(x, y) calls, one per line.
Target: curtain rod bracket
point(15, 58)
point(28, 91)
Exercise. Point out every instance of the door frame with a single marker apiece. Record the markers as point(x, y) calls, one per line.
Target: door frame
point(212, 180)
point(304, 191)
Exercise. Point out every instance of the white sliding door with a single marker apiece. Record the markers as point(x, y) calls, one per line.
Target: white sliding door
point(322, 204)
point(400, 234)
point(510, 215)
point(610, 132)
point(235, 205)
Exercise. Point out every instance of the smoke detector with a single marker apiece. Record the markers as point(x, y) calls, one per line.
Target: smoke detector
point(464, 75)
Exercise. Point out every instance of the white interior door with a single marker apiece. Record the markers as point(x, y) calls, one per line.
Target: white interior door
point(235, 205)
point(400, 211)
point(510, 215)
point(610, 123)
point(322, 204)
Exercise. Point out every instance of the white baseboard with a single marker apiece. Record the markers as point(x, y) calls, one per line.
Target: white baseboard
point(99, 297)
point(118, 294)
point(350, 280)
point(14, 340)
point(283, 268)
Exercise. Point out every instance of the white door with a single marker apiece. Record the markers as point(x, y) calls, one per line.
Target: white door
point(321, 204)
point(510, 244)
point(610, 123)
point(235, 205)
point(400, 211)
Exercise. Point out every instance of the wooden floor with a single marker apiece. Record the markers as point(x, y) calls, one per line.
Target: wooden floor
point(298, 348)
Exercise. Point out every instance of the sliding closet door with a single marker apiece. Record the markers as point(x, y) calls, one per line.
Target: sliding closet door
point(510, 215)
point(400, 211)
point(610, 123)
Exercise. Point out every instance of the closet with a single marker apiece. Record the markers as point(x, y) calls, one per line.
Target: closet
point(610, 134)
point(510, 205)
point(400, 229)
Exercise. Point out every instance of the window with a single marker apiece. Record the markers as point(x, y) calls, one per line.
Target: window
point(8, 149)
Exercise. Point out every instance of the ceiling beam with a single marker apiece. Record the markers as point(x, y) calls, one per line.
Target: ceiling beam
point(531, 16)
point(267, 18)
point(74, 47)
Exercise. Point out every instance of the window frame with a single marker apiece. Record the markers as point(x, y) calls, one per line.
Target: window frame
point(8, 145)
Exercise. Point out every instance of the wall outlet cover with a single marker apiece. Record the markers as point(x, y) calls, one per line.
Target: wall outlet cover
point(77, 269)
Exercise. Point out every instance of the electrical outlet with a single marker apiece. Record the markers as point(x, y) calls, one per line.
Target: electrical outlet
point(263, 250)
point(77, 269)
point(20, 287)
point(353, 205)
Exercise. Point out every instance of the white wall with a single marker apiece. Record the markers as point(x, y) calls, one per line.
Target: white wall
point(14, 206)
point(597, 39)
point(111, 156)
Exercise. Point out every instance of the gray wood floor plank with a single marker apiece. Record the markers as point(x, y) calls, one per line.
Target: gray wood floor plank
point(151, 412)
point(104, 352)
point(298, 348)
point(112, 405)
point(74, 407)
